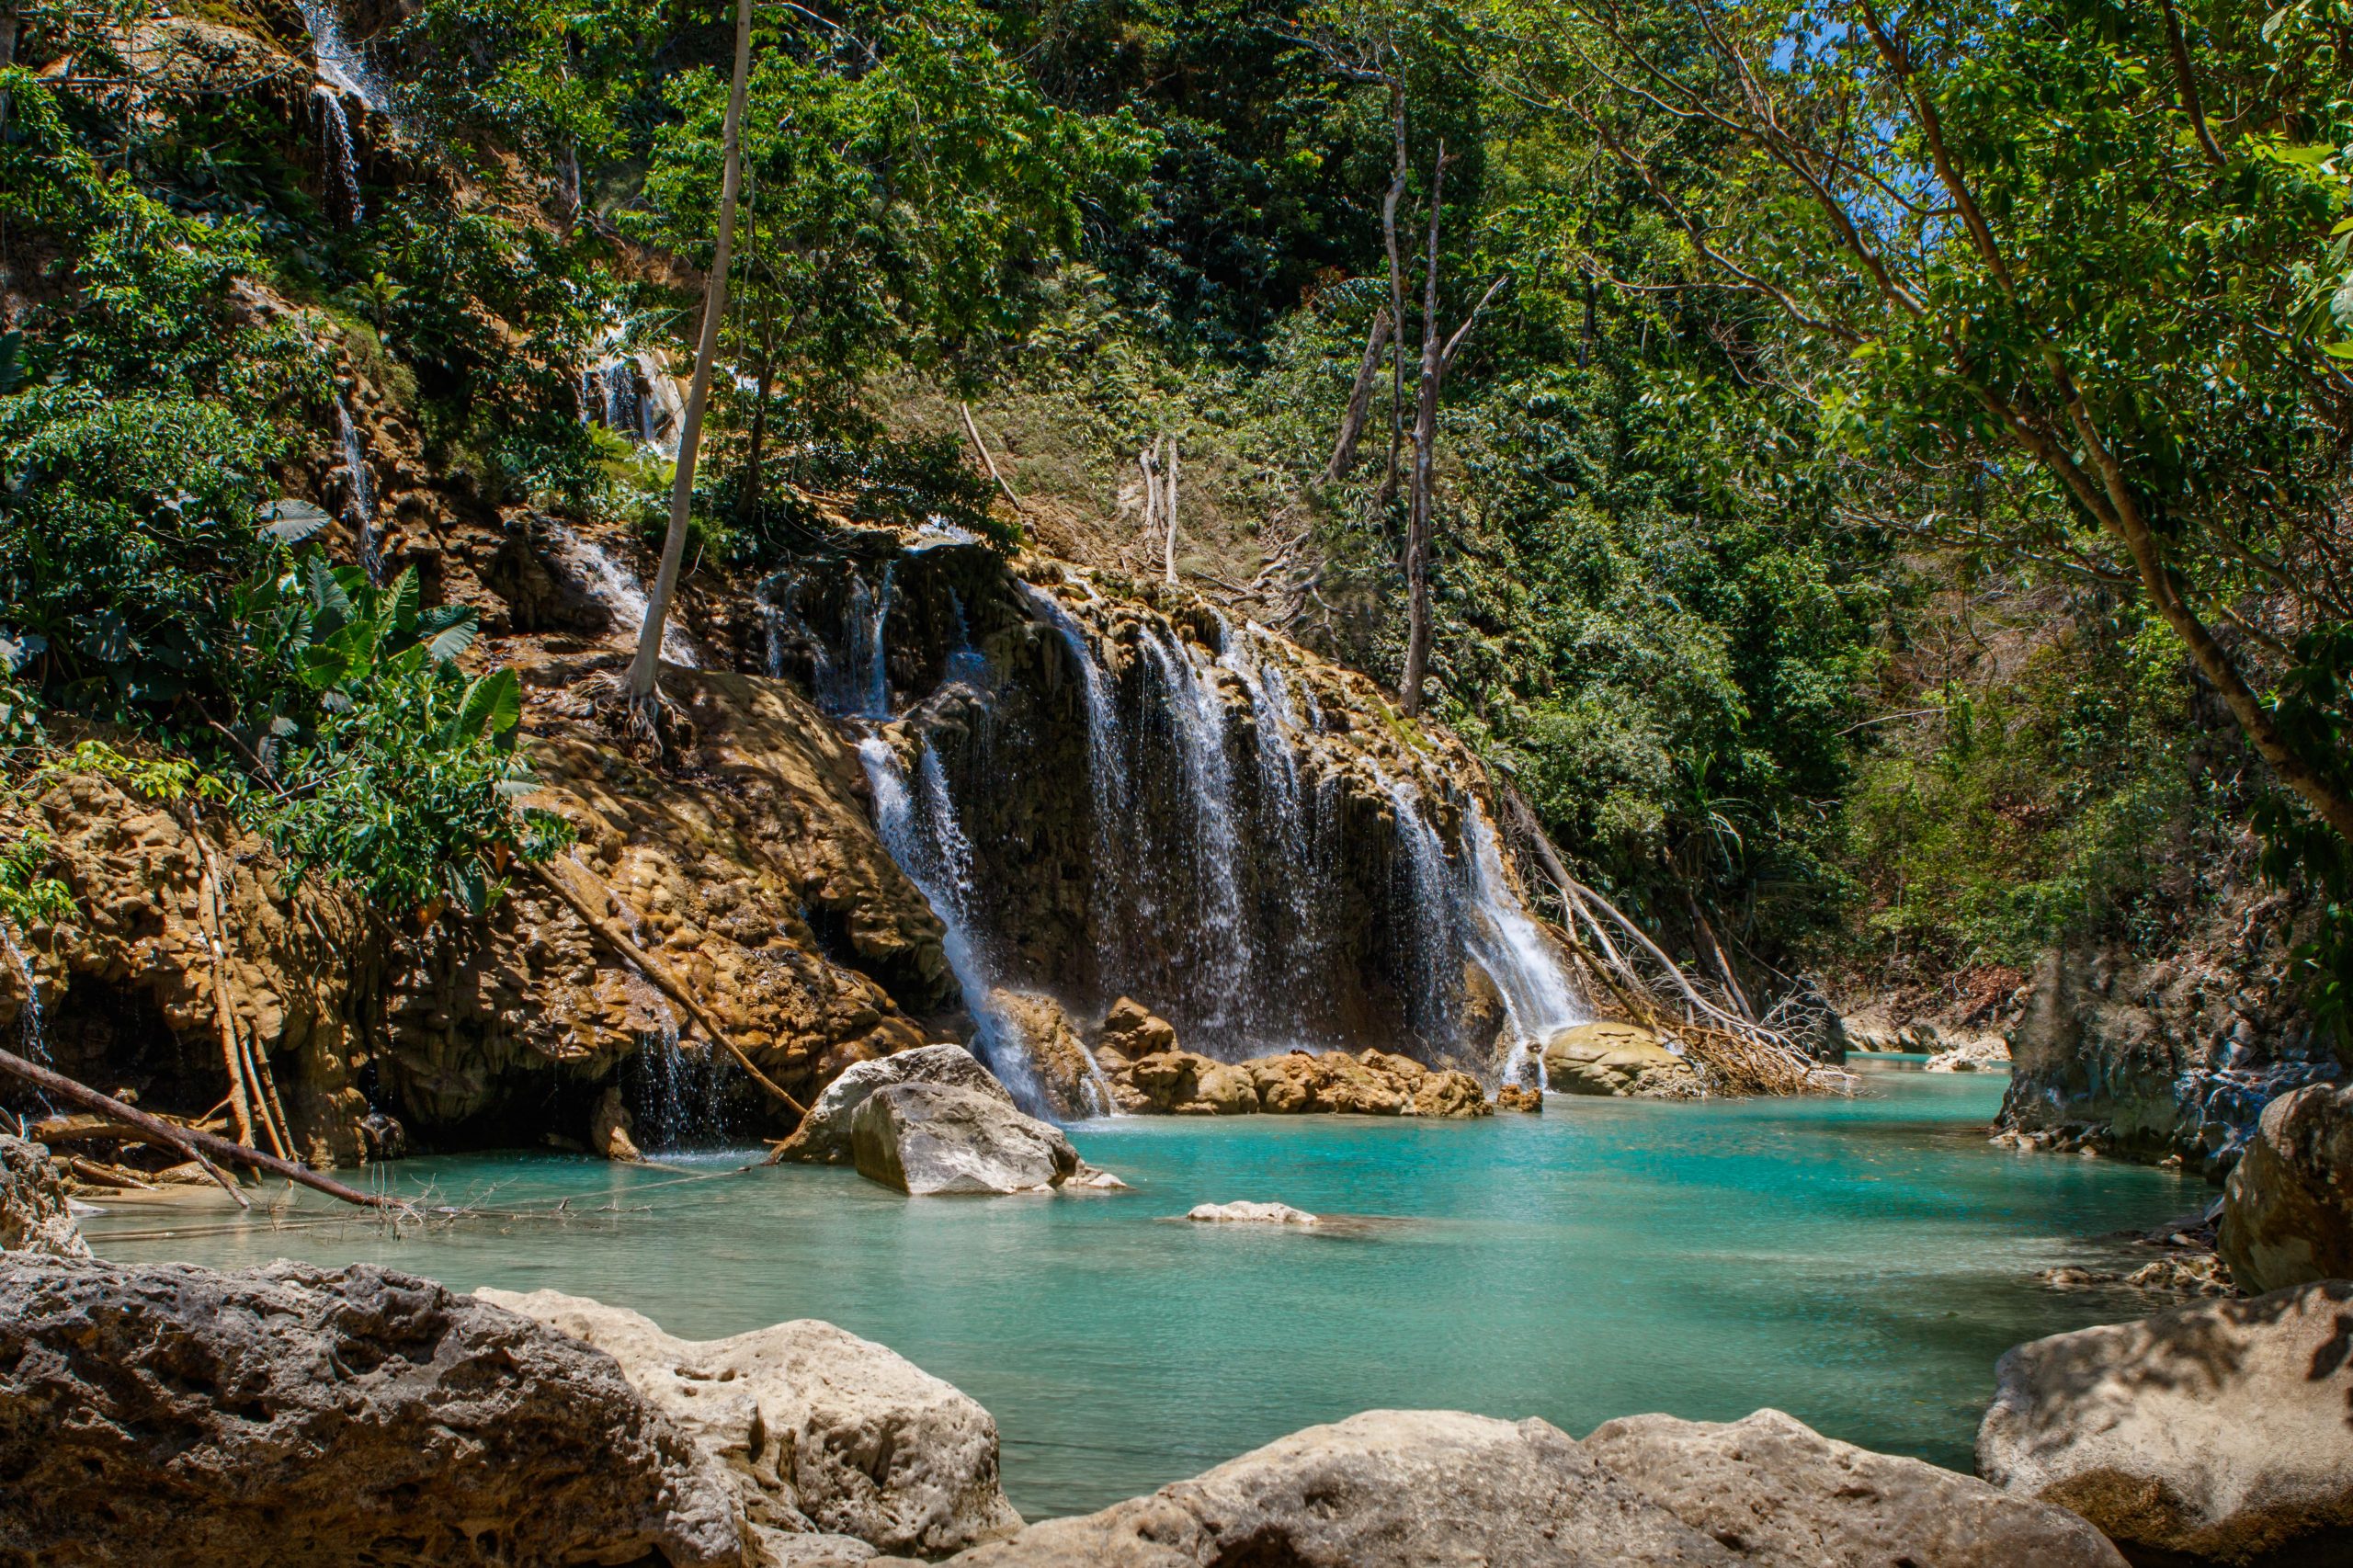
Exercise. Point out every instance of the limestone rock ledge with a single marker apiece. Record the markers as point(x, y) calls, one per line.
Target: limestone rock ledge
point(816, 1428)
point(312, 1418)
point(2288, 1209)
point(34, 1214)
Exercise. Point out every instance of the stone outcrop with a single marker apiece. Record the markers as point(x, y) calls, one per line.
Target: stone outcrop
point(1775, 1491)
point(312, 1418)
point(1131, 1031)
point(34, 1213)
point(2288, 1208)
point(1243, 1212)
point(1984, 1054)
point(824, 1135)
point(2171, 1058)
point(1617, 1059)
point(1065, 1073)
point(1386, 1489)
point(818, 1430)
point(1373, 1083)
point(2219, 1431)
point(940, 1139)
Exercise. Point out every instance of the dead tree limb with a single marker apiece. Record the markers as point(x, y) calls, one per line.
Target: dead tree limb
point(987, 461)
point(668, 984)
point(1344, 450)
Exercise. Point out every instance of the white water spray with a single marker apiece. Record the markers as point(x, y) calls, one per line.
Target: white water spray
point(615, 586)
point(1539, 999)
point(343, 155)
point(339, 63)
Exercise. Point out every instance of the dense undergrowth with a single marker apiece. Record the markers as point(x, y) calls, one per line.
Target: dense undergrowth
point(1768, 631)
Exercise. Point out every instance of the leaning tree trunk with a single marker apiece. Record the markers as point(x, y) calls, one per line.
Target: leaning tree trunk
point(1418, 525)
point(648, 663)
point(1344, 450)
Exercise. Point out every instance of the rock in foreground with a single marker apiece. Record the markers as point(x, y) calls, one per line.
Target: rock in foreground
point(1775, 1491)
point(1619, 1060)
point(824, 1135)
point(1245, 1212)
point(930, 1140)
point(2288, 1209)
point(1386, 1489)
point(300, 1416)
point(34, 1213)
point(817, 1428)
point(2219, 1431)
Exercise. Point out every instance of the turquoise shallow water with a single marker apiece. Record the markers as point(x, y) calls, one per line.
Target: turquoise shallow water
point(1859, 1263)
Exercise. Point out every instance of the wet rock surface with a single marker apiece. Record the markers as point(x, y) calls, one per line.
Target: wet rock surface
point(303, 1416)
point(822, 1434)
point(1059, 1060)
point(2219, 1431)
point(941, 1139)
point(2288, 1208)
point(1617, 1060)
point(35, 1216)
point(1775, 1491)
point(1372, 1082)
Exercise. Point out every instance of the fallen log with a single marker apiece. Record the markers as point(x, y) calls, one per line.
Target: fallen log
point(668, 984)
point(196, 1146)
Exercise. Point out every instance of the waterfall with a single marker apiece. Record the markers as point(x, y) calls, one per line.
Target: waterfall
point(29, 1021)
point(615, 586)
point(1107, 777)
point(1286, 839)
point(1197, 720)
point(623, 408)
point(965, 662)
point(1516, 955)
point(859, 686)
point(343, 156)
point(1430, 907)
point(360, 491)
point(339, 63)
point(680, 1092)
point(662, 412)
point(930, 848)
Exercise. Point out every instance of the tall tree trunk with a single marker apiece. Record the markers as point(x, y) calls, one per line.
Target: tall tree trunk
point(644, 669)
point(1397, 285)
point(1344, 451)
point(1168, 511)
point(747, 502)
point(1417, 526)
point(8, 55)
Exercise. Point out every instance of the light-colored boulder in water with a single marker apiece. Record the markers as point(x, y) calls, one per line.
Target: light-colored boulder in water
point(1984, 1054)
point(824, 1135)
point(34, 1213)
point(1775, 1491)
point(2219, 1430)
point(312, 1418)
point(2288, 1209)
point(1245, 1212)
point(930, 1140)
point(1617, 1059)
point(1386, 1489)
point(1065, 1070)
point(817, 1428)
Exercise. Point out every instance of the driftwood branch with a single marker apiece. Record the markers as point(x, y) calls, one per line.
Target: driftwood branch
point(663, 981)
point(196, 1146)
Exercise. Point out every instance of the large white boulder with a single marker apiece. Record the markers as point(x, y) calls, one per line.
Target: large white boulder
point(932, 1140)
point(824, 1135)
point(2220, 1430)
point(820, 1431)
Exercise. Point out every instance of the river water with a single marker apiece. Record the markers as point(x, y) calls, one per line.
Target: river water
point(1859, 1263)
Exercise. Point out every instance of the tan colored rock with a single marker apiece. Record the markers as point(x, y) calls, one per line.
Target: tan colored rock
point(817, 1429)
point(1386, 1489)
point(611, 1127)
point(1513, 1097)
point(1617, 1059)
point(1066, 1073)
point(1775, 1490)
point(2288, 1208)
point(1183, 1084)
point(1134, 1031)
point(35, 1216)
point(2220, 1430)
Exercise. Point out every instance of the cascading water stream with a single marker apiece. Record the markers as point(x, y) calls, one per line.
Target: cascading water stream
point(342, 153)
point(929, 847)
point(1431, 898)
point(1107, 773)
point(31, 1037)
point(616, 587)
point(1197, 720)
point(359, 490)
point(1538, 997)
point(339, 63)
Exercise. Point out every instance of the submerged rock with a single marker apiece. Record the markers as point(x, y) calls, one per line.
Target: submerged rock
point(818, 1429)
point(824, 1135)
point(315, 1419)
point(1245, 1212)
point(1617, 1059)
point(1775, 1491)
point(930, 1140)
point(2288, 1210)
point(1386, 1489)
point(34, 1214)
point(2220, 1430)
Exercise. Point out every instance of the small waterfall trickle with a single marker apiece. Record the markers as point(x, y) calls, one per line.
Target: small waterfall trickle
point(624, 410)
point(1106, 774)
point(965, 662)
point(339, 63)
point(343, 155)
point(615, 586)
point(29, 1030)
point(1537, 996)
point(859, 686)
point(929, 847)
point(360, 491)
point(1197, 719)
point(679, 1092)
point(1430, 907)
